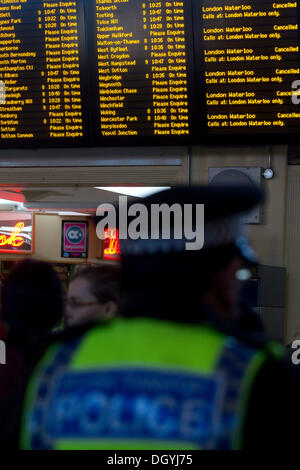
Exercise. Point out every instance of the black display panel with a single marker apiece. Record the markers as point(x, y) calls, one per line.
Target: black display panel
point(148, 72)
point(42, 87)
point(247, 64)
point(140, 53)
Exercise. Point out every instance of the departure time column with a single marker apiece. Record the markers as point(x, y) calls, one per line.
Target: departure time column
point(71, 69)
point(177, 64)
point(61, 90)
point(167, 55)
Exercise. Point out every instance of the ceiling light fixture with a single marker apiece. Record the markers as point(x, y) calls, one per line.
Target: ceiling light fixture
point(136, 191)
point(8, 205)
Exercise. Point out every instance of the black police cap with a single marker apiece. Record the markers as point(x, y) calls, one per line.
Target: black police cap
point(223, 210)
point(219, 201)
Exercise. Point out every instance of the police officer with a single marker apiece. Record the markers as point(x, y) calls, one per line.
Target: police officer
point(174, 372)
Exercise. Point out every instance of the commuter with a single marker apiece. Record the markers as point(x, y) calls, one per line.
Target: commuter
point(92, 295)
point(173, 373)
point(31, 305)
point(2, 327)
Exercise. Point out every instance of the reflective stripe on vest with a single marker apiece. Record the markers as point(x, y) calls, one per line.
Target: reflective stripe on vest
point(141, 384)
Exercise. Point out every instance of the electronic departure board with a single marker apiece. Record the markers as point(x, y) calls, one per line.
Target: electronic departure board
point(249, 64)
point(40, 71)
point(139, 53)
point(148, 72)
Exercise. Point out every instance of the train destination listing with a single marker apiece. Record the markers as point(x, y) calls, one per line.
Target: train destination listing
point(142, 70)
point(99, 72)
point(39, 71)
point(250, 60)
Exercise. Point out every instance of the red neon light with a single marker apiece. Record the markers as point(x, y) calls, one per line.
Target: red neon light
point(13, 240)
point(111, 244)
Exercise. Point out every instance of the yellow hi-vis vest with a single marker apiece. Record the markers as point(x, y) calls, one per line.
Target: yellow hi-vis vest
point(141, 384)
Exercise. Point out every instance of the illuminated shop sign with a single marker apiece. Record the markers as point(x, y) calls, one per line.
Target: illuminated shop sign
point(74, 239)
point(16, 232)
point(111, 244)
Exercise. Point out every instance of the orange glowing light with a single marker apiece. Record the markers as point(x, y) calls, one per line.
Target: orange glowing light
point(13, 240)
point(111, 244)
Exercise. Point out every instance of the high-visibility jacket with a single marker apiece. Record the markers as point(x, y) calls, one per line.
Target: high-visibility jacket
point(141, 384)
